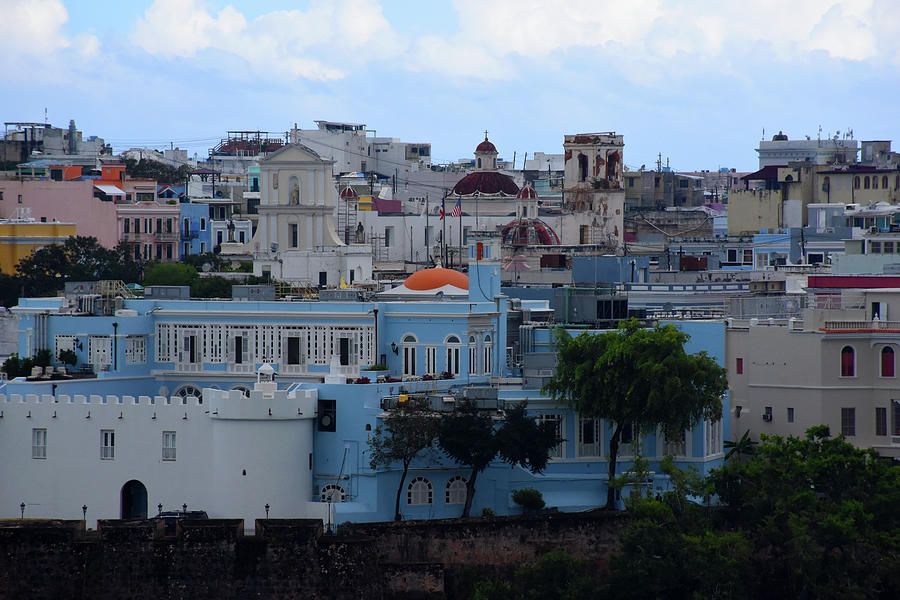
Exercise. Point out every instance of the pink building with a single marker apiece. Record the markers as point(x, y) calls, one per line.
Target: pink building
point(67, 201)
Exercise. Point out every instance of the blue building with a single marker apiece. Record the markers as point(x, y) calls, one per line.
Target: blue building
point(240, 407)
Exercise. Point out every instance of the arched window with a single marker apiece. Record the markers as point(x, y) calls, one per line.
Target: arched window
point(452, 342)
point(887, 362)
point(332, 492)
point(875, 182)
point(582, 167)
point(848, 362)
point(478, 166)
point(884, 182)
point(189, 390)
point(409, 354)
point(473, 355)
point(495, 163)
point(487, 354)
point(419, 492)
point(856, 182)
point(456, 490)
point(866, 182)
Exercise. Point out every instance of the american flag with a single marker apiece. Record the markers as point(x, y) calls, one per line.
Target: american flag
point(457, 210)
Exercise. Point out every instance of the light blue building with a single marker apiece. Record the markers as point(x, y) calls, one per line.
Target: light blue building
point(177, 360)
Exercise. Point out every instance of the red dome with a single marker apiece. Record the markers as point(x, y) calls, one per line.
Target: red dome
point(527, 192)
point(486, 182)
point(348, 192)
point(432, 279)
point(529, 232)
point(486, 146)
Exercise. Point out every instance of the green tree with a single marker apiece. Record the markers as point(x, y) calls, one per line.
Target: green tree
point(472, 438)
point(211, 287)
point(556, 576)
point(408, 430)
point(169, 274)
point(637, 378)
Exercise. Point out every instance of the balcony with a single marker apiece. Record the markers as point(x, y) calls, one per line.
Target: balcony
point(862, 326)
point(167, 237)
point(134, 237)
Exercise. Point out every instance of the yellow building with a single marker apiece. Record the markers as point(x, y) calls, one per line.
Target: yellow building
point(20, 237)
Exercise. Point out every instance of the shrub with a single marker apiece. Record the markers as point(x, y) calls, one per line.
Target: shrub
point(487, 512)
point(529, 499)
point(375, 367)
point(68, 357)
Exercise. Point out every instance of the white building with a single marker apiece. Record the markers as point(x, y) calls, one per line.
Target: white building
point(295, 238)
point(781, 151)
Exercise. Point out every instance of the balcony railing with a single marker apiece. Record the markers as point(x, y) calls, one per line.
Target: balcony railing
point(862, 325)
point(167, 237)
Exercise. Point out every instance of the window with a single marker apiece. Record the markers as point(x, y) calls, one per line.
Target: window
point(409, 355)
point(731, 255)
point(431, 360)
point(186, 227)
point(473, 356)
point(713, 437)
point(866, 182)
point(748, 256)
point(739, 366)
point(168, 445)
point(452, 343)
point(294, 235)
point(848, 363)
point(790, 415)
point(126, 225)
point(107, 444)
point(202, 224)
point(456, 490)
point(848, 422)
point(887, 248)
point(168, 251)
point(555, 421)
point(388, 236)
point(887, 362)
point(419, 492)
point(875, 183)
point(332, 492)
point(589, 438)
point(856, 182)
point(880, 420)
point(675, 442)
point(874, 247)
point(168, 225)
point(486, 355)
point(159, 226)
point(135, 349)
point(38, 443)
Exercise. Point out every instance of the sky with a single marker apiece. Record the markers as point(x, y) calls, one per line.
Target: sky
point(694, 81)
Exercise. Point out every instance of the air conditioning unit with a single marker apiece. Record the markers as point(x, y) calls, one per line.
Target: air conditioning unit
point(767, 417)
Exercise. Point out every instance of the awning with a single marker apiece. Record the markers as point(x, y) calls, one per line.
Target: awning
point(110, 190)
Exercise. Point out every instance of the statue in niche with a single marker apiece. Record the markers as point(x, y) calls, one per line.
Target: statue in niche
point(295, 194)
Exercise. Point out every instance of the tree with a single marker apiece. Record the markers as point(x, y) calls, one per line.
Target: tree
point(471, 437)
point(408, 430)
point(636, 378)
point(211, 287)
point(169, 274)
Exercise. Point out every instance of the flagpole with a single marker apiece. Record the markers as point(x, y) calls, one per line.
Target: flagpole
point(459, 203)
point(427, 241)
point(444, 235)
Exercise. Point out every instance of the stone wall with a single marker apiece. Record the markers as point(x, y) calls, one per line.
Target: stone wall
point(286, 558)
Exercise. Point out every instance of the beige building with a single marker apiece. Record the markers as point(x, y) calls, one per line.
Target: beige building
point(837, 367)
point(594, 187)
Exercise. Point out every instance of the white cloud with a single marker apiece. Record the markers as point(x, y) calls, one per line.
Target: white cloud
point(32, 27)
point(319, 43)
point(647, 32)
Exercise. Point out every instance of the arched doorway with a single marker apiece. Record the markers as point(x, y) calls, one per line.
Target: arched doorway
point(134, 500)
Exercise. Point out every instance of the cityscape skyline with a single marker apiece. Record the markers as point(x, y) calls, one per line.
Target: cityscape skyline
point(698, 86)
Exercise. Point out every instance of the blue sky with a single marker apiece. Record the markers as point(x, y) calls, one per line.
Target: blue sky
point(696, 81)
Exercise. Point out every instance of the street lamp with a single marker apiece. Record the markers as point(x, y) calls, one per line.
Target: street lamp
point(22, 509)
point(84, 511)
point(267, 510)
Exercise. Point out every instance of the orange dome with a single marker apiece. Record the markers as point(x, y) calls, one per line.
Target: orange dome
point(432, 279)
